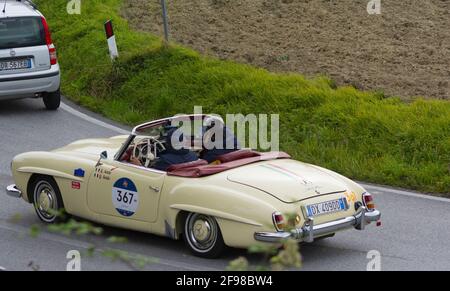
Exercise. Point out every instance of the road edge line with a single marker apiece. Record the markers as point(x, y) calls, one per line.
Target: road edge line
point(404, 192)
point(92, 120)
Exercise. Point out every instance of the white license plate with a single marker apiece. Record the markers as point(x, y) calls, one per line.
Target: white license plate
point(15, 65)
point(328, 207)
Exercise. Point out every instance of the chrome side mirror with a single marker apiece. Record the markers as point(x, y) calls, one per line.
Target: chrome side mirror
point(103, 156)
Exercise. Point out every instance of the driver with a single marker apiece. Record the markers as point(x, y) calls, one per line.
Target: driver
point(222, 142)
point(175, 152)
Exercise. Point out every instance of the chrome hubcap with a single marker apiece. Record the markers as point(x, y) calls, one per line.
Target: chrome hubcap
point(202, 231)
point(45, 200)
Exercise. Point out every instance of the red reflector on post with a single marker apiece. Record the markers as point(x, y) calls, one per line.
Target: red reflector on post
point(109, 29)
point(111, 39)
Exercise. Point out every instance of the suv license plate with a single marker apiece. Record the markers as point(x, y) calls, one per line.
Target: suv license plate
point(15, 65)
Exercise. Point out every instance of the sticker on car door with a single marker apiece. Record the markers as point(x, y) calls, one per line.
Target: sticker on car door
point(125, 197)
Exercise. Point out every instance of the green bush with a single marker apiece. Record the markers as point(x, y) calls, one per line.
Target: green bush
point(362, 135)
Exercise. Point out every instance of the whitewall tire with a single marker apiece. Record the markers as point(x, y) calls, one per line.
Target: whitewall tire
point(47, 199)
point(202, 235)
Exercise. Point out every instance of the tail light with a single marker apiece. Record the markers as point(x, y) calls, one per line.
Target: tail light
point(278, 221)
point(368, 201)
point(49, 42)
point(53, 56)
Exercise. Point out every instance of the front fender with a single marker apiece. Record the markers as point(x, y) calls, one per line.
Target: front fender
point(61, 168)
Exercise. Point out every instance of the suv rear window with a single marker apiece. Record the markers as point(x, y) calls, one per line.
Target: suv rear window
point(18, 32)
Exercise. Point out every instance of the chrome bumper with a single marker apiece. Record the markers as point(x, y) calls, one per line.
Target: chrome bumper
point(12, 191)
point(310, 231)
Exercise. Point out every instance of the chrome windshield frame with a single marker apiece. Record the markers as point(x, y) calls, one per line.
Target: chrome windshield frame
point(150, 124)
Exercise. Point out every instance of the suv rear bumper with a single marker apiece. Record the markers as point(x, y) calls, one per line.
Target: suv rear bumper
point(17, 86)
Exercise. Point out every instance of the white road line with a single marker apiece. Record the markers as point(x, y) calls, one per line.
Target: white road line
point(385, 190)
point(92, 120)
point(95, 121)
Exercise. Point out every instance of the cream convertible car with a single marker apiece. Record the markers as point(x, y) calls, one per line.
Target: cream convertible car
point(248, 198)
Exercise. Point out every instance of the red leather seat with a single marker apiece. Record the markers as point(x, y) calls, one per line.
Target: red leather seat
point(238, 155)
point(183, 166)
point(192, 171)
point(127, 155)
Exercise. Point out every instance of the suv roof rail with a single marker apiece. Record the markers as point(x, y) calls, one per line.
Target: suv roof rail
point(29, 2)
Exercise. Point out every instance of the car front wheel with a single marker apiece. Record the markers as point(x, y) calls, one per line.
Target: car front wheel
point(203, 236)
point(47, 199)
point(52, 100)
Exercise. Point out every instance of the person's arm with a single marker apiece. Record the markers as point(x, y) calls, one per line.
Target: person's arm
point(135, 161)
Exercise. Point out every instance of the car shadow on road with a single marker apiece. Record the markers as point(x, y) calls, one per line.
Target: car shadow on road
point(174, 250)
point(322, 255)
point(21, 107)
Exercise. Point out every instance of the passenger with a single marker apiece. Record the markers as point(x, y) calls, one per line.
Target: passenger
point(175, 153)
point(214, 148)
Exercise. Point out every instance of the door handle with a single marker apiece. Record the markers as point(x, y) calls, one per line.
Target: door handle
point(155, 189)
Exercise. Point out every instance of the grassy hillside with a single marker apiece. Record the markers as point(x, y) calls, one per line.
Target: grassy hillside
point(362, 135)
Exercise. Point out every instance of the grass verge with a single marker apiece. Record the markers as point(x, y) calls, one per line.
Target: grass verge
point(362, 135)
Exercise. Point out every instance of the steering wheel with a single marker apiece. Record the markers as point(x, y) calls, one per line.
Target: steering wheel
point(142, 150)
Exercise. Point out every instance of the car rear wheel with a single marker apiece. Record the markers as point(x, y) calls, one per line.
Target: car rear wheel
point(52, 100)
point(203, 236)
point(47, 199)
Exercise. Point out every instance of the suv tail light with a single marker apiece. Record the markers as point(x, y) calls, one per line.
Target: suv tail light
point(53, 56)
point(278, 221)
point(368, 201)
point(49, 42)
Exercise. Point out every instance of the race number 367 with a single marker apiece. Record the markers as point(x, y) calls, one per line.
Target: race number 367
point(125, 197)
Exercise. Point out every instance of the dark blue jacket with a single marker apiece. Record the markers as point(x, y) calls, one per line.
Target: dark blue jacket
point(173, 156)
point(169, 158)
point(228, 137)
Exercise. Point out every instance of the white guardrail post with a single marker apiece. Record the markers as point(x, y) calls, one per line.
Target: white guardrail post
point(111, 38)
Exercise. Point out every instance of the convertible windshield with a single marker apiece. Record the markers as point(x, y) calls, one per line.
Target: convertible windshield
point(188, 125)
point(166, 144)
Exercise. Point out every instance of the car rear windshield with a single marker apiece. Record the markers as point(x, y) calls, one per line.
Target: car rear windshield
point(19, 32)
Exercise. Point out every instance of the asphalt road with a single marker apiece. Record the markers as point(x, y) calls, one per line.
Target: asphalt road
point(415, 234)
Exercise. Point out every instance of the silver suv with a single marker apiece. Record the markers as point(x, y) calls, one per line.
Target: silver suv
point(28, 62)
